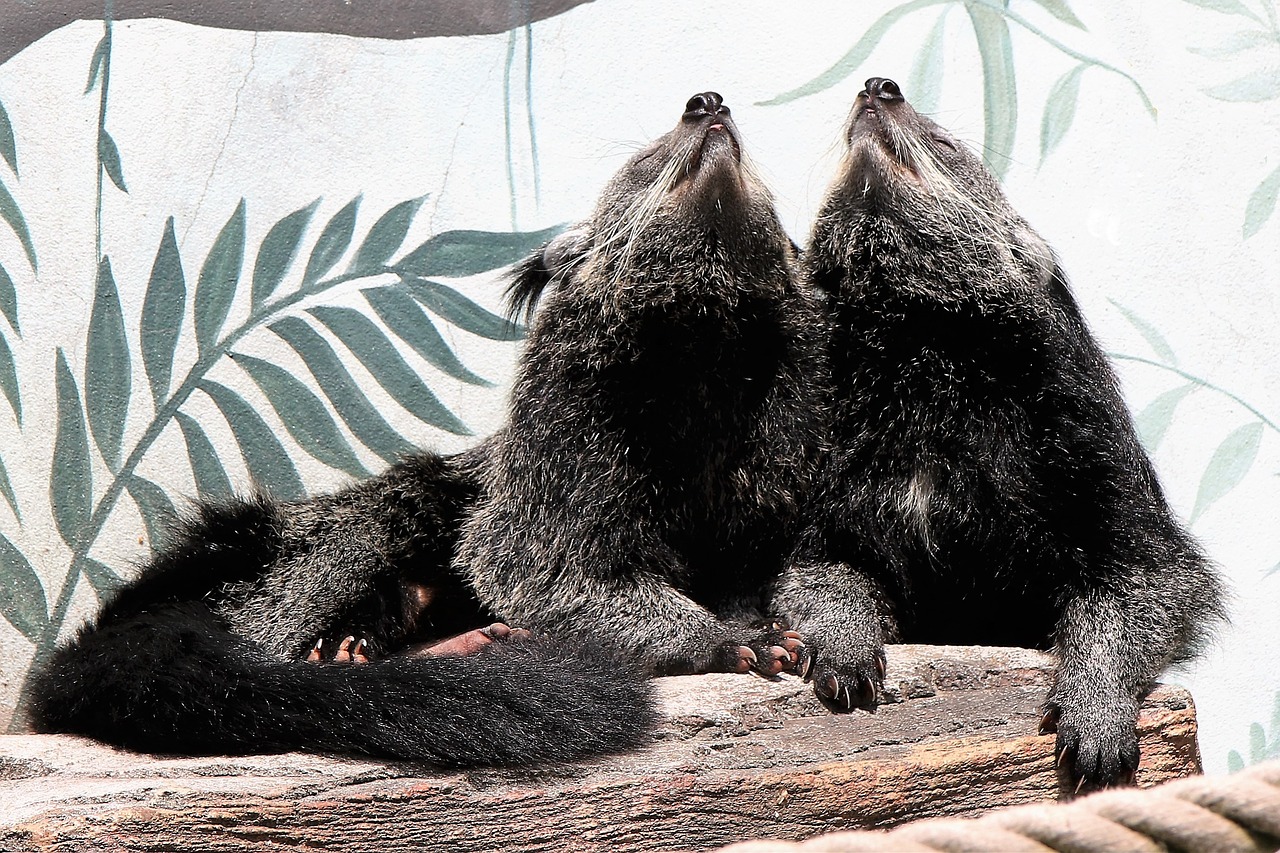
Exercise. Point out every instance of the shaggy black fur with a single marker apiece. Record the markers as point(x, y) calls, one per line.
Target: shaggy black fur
point(986, 484)
point(204, 652)
point(663, 422)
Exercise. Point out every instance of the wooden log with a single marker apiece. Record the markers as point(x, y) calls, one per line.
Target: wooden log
point(737, 757)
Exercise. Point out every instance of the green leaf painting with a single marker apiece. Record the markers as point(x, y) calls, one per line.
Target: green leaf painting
point(216, 287)
point(12, 214)
point(375, 351)
point(269, 465)
point(1154, 421)
point(109, 154)
point(1261, 204)
point(385, 237)
point(990, 22)
point(1060, 110)
point(335, 381)
point(1259, 85)
point(277, 252)
point(22, 599)
point(446, 302)
point(9, 379)
point(8, 144)
point(124, 430)
point(463, 253)
point(401, 314)
point(1261, 746)
point(71, 484)
point(333, 242)
point(162, 313)
point(212, 482)
point(107, 368)
point(1236, 453)
point(303, 415)
point(1230, 462)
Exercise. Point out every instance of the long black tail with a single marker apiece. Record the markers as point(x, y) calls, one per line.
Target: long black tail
point(174, 681)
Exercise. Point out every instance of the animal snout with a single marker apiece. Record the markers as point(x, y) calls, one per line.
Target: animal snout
point(705, 104)
point(882, 89)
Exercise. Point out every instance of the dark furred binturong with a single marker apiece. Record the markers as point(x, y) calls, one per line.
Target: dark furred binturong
point(663, 421)
point(985, 483)
point(206, 651)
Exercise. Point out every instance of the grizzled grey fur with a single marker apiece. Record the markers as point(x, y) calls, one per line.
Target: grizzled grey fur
point(986, 484)
point(664, 422)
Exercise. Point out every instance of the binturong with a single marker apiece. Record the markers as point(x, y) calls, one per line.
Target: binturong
point(230, 641)
point(985, 483)
point(663, 422)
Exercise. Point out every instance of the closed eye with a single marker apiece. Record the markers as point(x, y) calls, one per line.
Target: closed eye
point(946, 142)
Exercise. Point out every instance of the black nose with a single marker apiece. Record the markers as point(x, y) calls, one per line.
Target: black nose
point(705, 104)
point(882, 88)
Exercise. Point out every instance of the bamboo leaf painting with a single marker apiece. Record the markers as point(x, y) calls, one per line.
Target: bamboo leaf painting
point(1261, 204)
point(1227, 7)
point(999, 87)
point(1154, 421)
point(1256, 86)
point(402, 315)
point(464, 253)
point(269, 465)
point(360, 416)
point(216, 287)
point(22, 599)
point(211, 478)
point(385, 237)
point(446, 302)
point(1060, 10)
point(925, 80)
point(71, 485)
point(9, 379)
point(8, 299)
point(1230, 462)
point(1060, 110)
point(100, 576)
point(1234, 44)
point(303, 415)
point(107, 368)
point(1149, 332)
point(162, 313)
point(277, 252)
point(12, 214)
point(6, 489)
point(158, 512)
point(333, 242)
point(8, 144)
point(375, 351)
point(109, 154)
point(990, 22)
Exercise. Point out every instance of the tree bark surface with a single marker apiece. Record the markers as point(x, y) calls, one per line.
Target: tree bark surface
point(737, 757)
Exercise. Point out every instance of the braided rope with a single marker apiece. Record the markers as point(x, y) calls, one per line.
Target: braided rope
point(1220, 814)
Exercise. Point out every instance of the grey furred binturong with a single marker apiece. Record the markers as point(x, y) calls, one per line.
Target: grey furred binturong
point(985, 483)
point(213, 648)
point(663, 422)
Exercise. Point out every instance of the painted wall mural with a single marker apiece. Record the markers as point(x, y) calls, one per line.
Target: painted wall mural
point(246, 249)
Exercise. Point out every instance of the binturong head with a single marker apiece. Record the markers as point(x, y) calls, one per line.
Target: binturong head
point(909, 193)
point(689, 193)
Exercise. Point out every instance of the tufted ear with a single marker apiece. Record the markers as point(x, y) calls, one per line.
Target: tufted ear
point(547, 265)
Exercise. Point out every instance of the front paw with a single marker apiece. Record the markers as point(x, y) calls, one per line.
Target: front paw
point(846, 678)
point(1097, 745)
